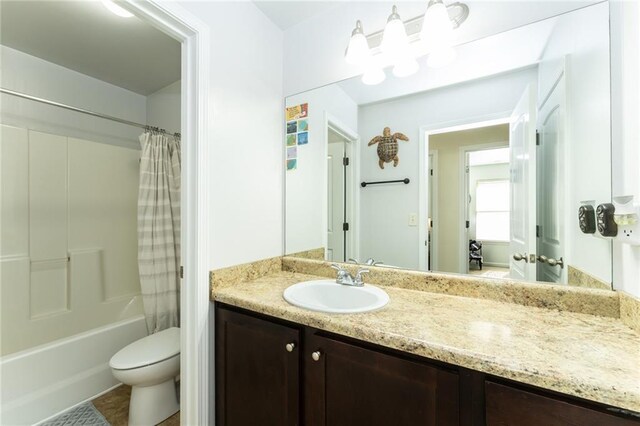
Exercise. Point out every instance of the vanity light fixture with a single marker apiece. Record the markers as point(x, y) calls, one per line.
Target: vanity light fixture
point(400, 43)
point(117, 10)
point(437, 35)
point(395, 43)
point(374, 74)
point(358, 50)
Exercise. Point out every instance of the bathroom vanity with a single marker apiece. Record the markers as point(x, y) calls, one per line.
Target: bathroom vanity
point(425, 358)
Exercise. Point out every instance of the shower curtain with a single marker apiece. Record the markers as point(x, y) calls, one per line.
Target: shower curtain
point(159, 230)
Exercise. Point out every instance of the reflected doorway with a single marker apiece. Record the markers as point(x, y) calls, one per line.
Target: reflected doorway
point(340, 195)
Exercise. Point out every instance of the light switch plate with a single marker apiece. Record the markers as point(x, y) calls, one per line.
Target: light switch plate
point(413, 219)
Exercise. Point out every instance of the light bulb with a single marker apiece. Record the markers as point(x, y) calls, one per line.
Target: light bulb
point(437, 29)
point(394, 38)
point(406, 67)
point(373, 75)
point(117, 10)
point(441, 57)
point(358, 49)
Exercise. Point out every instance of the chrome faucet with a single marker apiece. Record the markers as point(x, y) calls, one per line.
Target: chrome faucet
point(369, 262)
point(345, 278)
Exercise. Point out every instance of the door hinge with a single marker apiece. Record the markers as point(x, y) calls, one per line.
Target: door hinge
point(537, 137)
point(466, 224)
point(537, 231)
point(345, 161)
point(181, 272)
point(345, 226)
point(431, 172)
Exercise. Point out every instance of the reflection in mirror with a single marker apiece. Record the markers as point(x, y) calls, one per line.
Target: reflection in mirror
point(478, 168)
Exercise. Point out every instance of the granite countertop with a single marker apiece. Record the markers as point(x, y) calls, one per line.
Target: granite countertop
point(591, 357)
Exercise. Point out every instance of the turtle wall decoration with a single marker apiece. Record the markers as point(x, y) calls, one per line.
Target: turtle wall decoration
point(388, 147)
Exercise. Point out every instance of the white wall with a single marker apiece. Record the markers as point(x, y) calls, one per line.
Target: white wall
point(34, 76)
point(625, 108)
point(163, 108)
point(382, 225)
point(583, 37)
point(246, 126)
point(306, 187)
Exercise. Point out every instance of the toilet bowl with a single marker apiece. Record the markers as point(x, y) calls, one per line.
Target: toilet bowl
point(149, 366)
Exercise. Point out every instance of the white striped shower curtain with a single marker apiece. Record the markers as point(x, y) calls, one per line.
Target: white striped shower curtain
point(159, 230)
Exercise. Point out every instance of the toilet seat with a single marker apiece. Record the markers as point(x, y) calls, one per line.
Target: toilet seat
point(149, 350)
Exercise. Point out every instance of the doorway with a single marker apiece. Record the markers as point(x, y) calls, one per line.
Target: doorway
point(486, 198)
point(341, 194)
point(445, 196)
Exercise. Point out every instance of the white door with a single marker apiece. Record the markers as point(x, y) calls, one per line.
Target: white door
point(429, 241)
point(336, 202)
point(550, 197)
point(522, 141)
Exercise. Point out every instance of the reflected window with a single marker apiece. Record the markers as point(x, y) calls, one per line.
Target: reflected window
point(492, 210)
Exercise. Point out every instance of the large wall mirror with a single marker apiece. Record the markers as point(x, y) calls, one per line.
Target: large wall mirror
point(478, 167)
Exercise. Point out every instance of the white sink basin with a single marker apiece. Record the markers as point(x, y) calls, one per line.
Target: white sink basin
point(329, 296)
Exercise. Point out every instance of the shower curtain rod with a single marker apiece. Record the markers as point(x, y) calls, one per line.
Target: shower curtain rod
point(80, 110)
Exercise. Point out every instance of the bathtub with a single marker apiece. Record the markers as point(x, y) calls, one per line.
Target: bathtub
point(39, 383)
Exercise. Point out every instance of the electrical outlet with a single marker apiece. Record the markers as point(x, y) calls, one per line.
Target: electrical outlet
point(413, 219)
point(627, 217)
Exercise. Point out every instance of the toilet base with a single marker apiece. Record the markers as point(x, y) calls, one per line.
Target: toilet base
point(151, 405)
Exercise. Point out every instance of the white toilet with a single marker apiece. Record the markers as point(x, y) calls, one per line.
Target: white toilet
point(149, 366)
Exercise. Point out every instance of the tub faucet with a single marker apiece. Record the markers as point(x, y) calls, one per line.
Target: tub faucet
point(345, 278)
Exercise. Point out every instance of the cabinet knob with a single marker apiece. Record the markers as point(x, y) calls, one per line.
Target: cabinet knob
point(315, 356)
point(290, 347)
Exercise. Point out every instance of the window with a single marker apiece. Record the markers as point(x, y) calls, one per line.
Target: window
point(492, 210)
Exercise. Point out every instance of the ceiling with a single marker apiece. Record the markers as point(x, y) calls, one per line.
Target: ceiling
point(85, 37)
point(286, 14)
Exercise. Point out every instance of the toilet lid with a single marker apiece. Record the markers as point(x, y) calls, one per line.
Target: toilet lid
point(148, 350)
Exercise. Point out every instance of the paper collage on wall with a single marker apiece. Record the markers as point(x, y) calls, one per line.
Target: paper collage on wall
point(297, 132)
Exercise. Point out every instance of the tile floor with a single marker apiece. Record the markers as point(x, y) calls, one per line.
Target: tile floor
point(114, 406)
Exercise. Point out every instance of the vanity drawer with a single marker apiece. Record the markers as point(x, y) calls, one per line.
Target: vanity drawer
point(508, 406)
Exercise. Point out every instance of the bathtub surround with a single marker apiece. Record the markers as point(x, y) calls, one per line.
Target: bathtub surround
point(66, 266)
point(159, 229)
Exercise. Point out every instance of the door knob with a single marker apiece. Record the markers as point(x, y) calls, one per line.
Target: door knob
point(315, 356)
point(555, 262)
point(542, 258)
point(518, 257)
point(290, 347)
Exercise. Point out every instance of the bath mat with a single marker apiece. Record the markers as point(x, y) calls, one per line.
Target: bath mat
point(84, 414)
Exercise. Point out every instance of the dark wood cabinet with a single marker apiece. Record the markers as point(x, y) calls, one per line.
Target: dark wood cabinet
point(257, 377)
point(347, 385)
point(509, 406)
point(273, 372)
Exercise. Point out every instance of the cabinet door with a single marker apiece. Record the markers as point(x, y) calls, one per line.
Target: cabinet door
point(507, 406)
point(349, 385)
point(257, 377)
